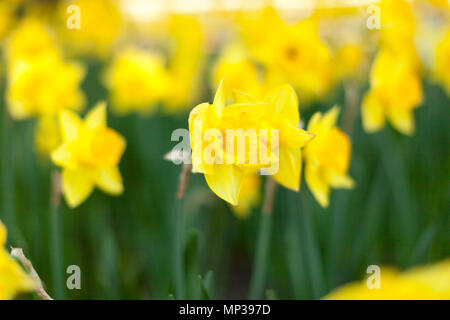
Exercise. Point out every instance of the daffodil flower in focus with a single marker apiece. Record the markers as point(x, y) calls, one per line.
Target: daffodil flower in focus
point(277, 116)
point(327, 157)
point(137, 80)
point(396, 90)
point(282, 113)
point(12, 277)
point(89, 155)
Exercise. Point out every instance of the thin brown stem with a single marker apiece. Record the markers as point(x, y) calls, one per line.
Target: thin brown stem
point(40, 291)
point(184, 180)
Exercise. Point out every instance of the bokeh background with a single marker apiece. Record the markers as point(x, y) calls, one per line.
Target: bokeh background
point(397, 214)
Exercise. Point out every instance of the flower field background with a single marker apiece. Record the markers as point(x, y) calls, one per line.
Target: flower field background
point(152, 68)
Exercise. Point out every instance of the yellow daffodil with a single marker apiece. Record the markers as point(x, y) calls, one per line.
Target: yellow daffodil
point(397, 30)
point(137, 80)
point(397, 19)
point(348, 61)
point(13, 279)
point(89, 155)
point(43, 87)
point(225, 173)
point(327, 157)
point(441, 68)
point(249, 197)
point(420, 283)
point(100, 26)
point(293, 53)
point(396, 90)
point(185, 61)
point(240, 72)
point(32, 40)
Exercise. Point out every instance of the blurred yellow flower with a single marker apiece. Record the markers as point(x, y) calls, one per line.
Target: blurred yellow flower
point(89, 155)
point(441, 68)
point(32, 40)
point(185, 61)
point(43, 87)
point(397, 18)
point(327, 157)
point(420, 283)
point(47, 135)
point(249, 197)
point(292, 53)
point(398, 27)
point(278, 111)
point(137, 80)
point(100, 26)
point(348, 61)
point(12, 277)
point(396, 90)
point(240, 72)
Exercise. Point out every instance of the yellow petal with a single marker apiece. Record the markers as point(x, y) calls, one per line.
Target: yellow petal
point(64, 157)
point(109, 180)
point(317, 184)
point(330, 117)
point(341, 181)
point(219, 100)
point(97, 116)
point(372, 113)
point(402, 120)
point(284, 101)
point(70, 124)
point(2, 234)
point(226, 182)
point(290, 166)
point(294, 137)
point(242, 97)
point(77, 185)
point(313, 122)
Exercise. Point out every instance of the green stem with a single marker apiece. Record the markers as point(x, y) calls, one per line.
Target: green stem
point(313, 258)
point(260, 260)
point(178, 251)
point(178, 265)
point(56, 238)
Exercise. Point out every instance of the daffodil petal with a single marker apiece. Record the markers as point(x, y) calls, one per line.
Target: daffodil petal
point(372, 113)
point(77, 185)
point(70, 124)
point(219, 100)
point(402, 120)
point(285, 103)
point(317, 185)
point(226, 182)
point(341, 181)
point(330, 117)
point(97, 116)
point(109, 180)
point(2, 234)
point(63, 156)
point(294, 137)
point(290, 166)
